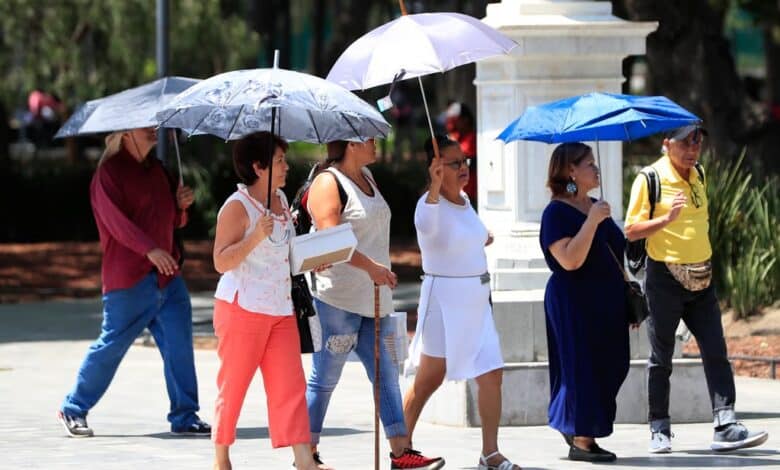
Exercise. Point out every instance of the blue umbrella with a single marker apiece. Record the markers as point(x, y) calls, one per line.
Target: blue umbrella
point(597, 117)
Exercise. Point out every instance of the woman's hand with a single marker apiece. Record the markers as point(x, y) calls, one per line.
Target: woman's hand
point(489, 239)
point(184, 197)
point(599, 211)
point(264, 228)
point(322, 267)
point(163, 261)
point(436, 172)
point(383, 276)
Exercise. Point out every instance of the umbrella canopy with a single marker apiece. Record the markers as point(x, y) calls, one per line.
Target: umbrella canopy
point(598, 117)
point(130, 109)
point(418, 45)
point(305, 108)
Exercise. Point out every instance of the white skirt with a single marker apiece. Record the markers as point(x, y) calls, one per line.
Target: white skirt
point(464, 334)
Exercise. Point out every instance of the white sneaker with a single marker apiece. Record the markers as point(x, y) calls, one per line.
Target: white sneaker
point(660, 443)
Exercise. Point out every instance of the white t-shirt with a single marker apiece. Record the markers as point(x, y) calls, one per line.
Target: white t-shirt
point(451, 237)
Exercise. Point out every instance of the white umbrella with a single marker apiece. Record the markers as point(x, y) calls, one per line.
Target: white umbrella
point(416, 45)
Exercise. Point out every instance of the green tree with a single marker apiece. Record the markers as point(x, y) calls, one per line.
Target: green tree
point(82, 49)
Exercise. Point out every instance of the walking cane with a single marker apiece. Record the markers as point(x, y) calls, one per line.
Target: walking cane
point(376, 377)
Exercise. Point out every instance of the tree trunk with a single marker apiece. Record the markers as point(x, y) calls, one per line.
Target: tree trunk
point(689, 61)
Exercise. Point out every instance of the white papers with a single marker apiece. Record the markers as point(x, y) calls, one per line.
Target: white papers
point(329, 246)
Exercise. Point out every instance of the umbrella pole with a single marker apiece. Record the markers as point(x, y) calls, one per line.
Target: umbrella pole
point(271, 163)
point(377, 320)
point(428, 115)
point(601, 174)
point(178, 156)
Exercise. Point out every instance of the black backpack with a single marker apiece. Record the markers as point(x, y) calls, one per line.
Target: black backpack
point(636, 251)
point(300, 215)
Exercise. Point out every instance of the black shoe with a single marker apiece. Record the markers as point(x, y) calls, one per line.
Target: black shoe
point(597, 449)
point(595, 454)
point(75, 426)
point(197, 429)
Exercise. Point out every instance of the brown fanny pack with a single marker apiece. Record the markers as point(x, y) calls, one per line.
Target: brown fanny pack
point(693, 276)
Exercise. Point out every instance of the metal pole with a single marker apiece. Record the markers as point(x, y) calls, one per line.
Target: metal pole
point(161, 48)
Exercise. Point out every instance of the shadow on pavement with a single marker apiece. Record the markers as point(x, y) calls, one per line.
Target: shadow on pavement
point(66, 320)
point(241, 433)
point(757, 415)
point(703, 458)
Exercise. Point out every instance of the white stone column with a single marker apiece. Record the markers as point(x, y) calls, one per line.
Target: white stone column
point(565, 48)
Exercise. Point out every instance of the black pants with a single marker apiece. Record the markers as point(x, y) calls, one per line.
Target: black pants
point(669, 303)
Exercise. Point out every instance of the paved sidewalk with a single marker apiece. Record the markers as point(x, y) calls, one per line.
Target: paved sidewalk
point(41, 346)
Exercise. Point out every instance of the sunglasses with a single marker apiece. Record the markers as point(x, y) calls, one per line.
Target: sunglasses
point(466, 162)
point(695, 196)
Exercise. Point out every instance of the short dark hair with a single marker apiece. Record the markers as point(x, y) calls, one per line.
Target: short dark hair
point(558, 174)
point(255, 148)
point(443, 142)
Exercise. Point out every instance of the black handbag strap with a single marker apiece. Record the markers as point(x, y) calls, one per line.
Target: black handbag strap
point(620, 266)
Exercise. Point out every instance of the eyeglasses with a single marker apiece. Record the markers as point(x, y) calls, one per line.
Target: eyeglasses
point(466, 162)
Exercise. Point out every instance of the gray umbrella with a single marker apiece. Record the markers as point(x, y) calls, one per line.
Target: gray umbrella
point(134, 108)
point(302, 107)
point(130, 109)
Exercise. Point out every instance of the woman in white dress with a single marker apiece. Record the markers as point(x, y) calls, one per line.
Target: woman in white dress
point(456, 338)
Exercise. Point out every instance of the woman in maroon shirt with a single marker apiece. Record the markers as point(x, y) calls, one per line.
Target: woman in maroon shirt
point(137, 206)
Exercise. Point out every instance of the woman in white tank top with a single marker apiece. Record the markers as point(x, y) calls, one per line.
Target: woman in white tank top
point(253, 313)
point(345, 295)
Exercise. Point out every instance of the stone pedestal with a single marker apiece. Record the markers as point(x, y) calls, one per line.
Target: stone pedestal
point(565, 48)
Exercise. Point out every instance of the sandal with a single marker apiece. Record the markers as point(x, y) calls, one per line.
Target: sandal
point(505, 465)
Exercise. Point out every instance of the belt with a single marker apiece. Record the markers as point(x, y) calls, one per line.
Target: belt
point(484, 277)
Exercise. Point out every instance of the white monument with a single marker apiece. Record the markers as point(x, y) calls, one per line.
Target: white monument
point(565, 48)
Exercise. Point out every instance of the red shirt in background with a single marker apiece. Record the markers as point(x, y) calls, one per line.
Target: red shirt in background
point(135, 210)
point(468, 144)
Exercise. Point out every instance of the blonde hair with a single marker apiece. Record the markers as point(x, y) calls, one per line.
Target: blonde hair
point(113, 145)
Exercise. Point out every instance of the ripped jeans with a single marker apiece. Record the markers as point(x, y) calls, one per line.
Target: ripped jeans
point(343, 332)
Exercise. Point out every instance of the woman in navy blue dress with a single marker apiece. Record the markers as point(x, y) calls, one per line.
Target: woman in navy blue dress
point(587, 329)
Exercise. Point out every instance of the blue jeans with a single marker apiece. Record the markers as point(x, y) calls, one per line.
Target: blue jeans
point(167, 313)
point(343, 332)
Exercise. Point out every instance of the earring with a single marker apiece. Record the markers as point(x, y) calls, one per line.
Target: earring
point(571, 187)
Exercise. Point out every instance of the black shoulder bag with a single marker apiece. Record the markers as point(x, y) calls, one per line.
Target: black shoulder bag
point(636, 301)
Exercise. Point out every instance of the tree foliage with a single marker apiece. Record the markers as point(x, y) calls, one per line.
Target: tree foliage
point(83, 49)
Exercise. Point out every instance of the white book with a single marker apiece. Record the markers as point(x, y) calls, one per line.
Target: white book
point(332, 245)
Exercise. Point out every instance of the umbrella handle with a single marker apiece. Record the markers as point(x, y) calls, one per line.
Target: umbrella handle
point(403, 7)
point(377, 320)
point(601, 173)
point(178, 156)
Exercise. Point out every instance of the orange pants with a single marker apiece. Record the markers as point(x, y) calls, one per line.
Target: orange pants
point(250, 340)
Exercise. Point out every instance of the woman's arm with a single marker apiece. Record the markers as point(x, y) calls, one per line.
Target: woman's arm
point(325, 210)
point(571, 252)
point(230, 245)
